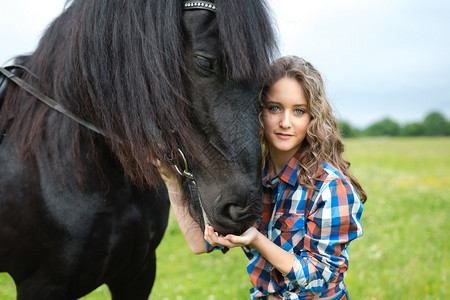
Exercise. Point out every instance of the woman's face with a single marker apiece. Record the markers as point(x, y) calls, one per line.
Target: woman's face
point(285, 117)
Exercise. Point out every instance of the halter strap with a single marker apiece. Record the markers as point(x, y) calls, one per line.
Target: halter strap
point(47, 100)
point(189, 5)
point(192, 183)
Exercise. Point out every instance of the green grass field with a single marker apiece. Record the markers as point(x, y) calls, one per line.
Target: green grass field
point(404, 253)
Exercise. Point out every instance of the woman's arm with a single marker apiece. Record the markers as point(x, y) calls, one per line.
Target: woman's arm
point(190, 229)
point(278, 257)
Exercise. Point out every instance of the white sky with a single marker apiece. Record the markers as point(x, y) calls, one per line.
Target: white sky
point(380, 58)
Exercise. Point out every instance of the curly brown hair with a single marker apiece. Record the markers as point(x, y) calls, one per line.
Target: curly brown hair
point(323, 142)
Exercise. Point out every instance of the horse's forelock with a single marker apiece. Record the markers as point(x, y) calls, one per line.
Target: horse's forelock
point(146, 65)
point(247, 37)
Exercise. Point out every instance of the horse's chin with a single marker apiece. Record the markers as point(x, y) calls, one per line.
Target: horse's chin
point(222, 225)
point(236, 223)
point(237, 229)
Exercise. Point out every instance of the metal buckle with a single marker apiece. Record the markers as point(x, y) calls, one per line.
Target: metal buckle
point(185, 172)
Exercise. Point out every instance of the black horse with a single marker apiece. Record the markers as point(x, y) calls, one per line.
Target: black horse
point(79, 208)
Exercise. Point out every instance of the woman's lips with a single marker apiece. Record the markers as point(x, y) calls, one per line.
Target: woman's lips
point(284, 136)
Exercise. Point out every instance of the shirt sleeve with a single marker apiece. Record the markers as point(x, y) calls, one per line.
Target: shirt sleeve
point(333, 222)
point(210, 248)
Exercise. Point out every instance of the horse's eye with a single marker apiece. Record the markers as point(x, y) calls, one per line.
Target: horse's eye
point(205, 63)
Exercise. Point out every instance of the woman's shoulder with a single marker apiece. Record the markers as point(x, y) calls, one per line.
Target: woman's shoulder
point(333, 184)
point(332, 177)
point(330, 173)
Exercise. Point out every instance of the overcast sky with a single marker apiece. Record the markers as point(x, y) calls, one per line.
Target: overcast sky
point(379, 58)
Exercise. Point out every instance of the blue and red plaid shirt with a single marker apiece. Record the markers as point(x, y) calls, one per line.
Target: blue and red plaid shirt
point(319, 242)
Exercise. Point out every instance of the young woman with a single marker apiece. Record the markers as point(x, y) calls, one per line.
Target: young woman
point(312, 205)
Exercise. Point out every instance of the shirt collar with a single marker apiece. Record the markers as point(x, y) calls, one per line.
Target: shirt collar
point(288, 174)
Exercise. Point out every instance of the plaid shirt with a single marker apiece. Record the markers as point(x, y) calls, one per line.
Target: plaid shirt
point(319, 243)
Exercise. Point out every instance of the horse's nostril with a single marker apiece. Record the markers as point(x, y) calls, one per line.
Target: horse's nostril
point(233, 212)
point(237, 213)
point(234, 216)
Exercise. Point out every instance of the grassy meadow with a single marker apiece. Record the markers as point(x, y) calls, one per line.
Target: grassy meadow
point(404, 253)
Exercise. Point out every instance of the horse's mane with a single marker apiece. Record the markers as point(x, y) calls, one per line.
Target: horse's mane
point(120, 65)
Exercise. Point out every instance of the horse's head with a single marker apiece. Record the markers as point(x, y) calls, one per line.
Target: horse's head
point(224, 113)
point(222, 90)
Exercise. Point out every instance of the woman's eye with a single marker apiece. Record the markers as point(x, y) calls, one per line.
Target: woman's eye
point(205, 63)
point(299, 111)
point(274, 108)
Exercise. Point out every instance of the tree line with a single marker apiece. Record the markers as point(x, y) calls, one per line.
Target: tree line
point(434, 124)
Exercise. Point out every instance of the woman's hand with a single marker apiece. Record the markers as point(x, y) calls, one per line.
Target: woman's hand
point(231, 240)
point(280, 259)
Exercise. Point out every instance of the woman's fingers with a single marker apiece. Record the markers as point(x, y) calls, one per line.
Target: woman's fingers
point(210, 236)
point(215, 239)
point(230, 240)
point(236, 240)
point(244, 239)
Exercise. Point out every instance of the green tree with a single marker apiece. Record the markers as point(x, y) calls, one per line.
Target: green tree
point(412, 129)
point(435, 124)
point(347, 131)
point(383, 127)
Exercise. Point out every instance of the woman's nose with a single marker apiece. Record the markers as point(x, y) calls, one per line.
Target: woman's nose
point(285, 121)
